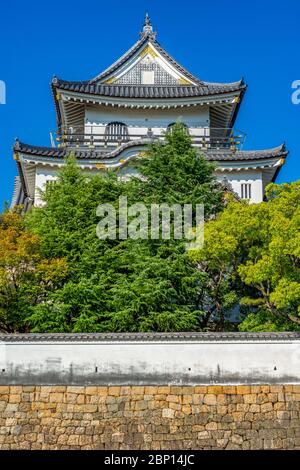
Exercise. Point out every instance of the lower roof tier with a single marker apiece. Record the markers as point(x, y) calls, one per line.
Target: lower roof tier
point(37, 162)
point(100, 154)
point(148, 91)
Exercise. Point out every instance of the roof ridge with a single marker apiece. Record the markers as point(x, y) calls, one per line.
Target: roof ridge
point(181, 68)
point(120, 61)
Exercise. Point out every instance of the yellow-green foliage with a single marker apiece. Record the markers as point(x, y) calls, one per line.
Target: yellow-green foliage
point(254, 250)
point(25, 275)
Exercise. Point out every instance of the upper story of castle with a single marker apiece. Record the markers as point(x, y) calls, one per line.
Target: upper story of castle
point(140, 96)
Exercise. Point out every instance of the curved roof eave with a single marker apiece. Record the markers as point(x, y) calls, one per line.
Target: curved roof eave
point(147, 91)
point(212, 155)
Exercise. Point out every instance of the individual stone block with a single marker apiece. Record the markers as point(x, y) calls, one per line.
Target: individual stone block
point(73, 440)
point(250, 398)
point(56, 397)
point(201, 389)
point(229, 389)
point(80, 399)
point(164, 390)
point(212, 426)
point(265, 407)
point(187, 399)
point(261, 398)
point(215, 389)
point(238, 416)
point(173, 398)
point(236, 439)
point(186, 409)
point(168, 413)
point(75, 389)
point(210, 399)
point(175, 406)
point(58, 389)
point(148, 390)
point(11, 407)
point(203, 435)
point(13, 398)
point(276, 389)
point(88, 408)
point(115, 391)
point(13, 390)
point(254, 408)
point(141, 405)
point(243, 389)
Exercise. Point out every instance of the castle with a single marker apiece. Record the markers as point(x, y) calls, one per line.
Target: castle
point(107, 121)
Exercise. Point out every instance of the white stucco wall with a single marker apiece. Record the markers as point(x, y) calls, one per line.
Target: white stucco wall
point(138, 120)
point(151, 362)
point(47, 173)
point(42, 175)
point(236, 179)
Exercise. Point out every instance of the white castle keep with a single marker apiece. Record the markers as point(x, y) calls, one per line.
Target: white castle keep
point(107, 121)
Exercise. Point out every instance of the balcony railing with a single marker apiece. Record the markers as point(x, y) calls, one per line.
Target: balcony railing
point(204, 138)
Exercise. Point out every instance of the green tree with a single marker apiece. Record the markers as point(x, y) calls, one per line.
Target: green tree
point(251, 257)
point(124, 285)
point(26, 277)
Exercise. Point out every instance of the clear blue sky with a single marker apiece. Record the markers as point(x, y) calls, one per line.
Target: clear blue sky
point(217, 41)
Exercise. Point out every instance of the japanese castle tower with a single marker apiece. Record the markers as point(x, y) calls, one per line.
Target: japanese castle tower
point(108, 120)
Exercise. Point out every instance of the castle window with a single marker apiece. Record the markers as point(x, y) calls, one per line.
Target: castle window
point(50, 184)
point(246, 190)
point(116, 131)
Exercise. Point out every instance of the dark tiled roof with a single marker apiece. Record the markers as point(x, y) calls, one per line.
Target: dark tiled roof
point(145, 337)
point(228, 155)
point(148, 92)
point(97, 87)
point(138, 45)
point(212, 155)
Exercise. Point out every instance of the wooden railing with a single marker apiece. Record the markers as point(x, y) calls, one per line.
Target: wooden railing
point(204, 138)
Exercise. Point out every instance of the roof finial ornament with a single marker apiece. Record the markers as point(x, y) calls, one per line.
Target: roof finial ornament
point(147, 29)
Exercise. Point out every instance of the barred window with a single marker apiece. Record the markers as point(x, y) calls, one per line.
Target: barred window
point(50, 184)
point(246, 190)
point(116, 131)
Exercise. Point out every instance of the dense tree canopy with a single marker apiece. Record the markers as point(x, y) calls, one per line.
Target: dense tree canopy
point(251, 257)
point(57, 275)
point(124, 285)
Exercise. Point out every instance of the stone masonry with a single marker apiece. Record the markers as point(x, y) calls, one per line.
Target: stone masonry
point(150, 417)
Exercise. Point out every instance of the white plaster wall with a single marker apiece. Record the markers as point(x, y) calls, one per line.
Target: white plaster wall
point(151, 362)
point(46, 173)
point(236, 179)
point(42, 175)
point(138, 120)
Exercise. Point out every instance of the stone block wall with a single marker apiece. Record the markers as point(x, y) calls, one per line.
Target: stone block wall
point(150, 417)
